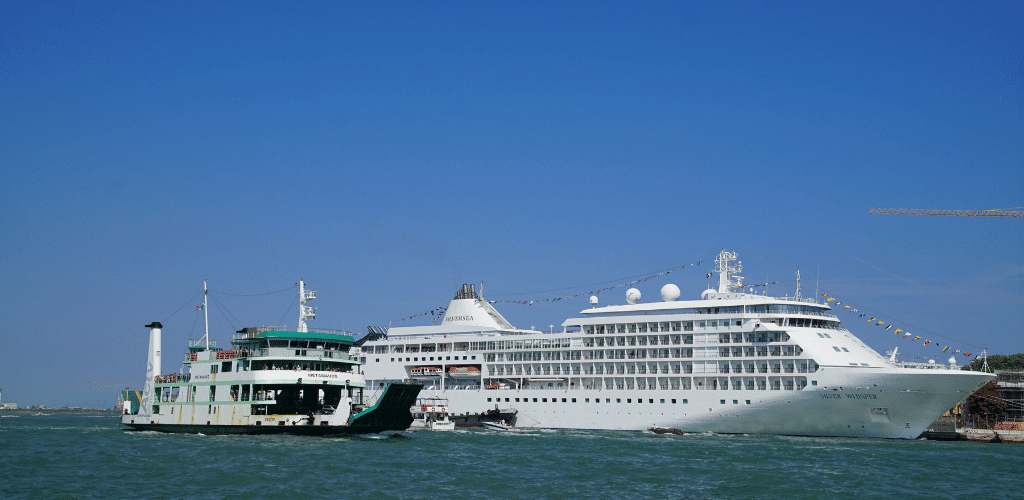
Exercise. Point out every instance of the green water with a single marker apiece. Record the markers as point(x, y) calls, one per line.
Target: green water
point(75, 456)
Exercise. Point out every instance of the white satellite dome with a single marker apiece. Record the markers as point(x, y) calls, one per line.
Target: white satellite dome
point(669, 293)
point(593, 299)
point(632, 295)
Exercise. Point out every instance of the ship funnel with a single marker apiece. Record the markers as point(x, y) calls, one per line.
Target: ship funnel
point(153, 369)
point(472, 291)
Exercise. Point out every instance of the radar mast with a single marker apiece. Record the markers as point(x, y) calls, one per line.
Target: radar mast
point(727, 277)
point(305, 312)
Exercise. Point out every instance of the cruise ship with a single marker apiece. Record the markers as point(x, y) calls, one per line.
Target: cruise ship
point(730, 362)
point(273, 380)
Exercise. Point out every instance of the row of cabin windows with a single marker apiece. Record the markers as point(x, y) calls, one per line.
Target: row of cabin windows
point(446, 358)
point(281, 365)
point(722, 352)
point(307, 344)
point(722, 338)
point(609, 400)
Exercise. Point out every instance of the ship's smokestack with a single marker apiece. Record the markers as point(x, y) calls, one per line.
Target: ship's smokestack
point(153, 369)
point(472, 291)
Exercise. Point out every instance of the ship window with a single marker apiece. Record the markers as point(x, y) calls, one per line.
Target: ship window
point(474, 357)
point(846, 350)
point(652, 401)
point(534, 400)
point(685, 401)
point(814, 382)
point(723, 401)
point(748, 401)
point(608, 400)
point(214, 368)
point(585, 400)
point(517, 400)
point(628, 400)
point(447, 358)
point(544, 400)
point(820, 335)
point(828, 336)
point(488, 400)
point(735, 402)
point(836, 348)
point(563, 400)
point(617, 400)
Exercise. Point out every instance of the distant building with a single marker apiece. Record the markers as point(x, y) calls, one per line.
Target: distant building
point(1010, 387)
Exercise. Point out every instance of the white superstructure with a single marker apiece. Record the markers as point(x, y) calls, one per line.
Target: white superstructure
point(731, 362)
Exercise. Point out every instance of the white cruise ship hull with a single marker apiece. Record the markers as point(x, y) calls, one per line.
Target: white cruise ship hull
point(899, 403)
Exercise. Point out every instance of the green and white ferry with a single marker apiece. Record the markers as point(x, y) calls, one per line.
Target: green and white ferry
point(272, 380)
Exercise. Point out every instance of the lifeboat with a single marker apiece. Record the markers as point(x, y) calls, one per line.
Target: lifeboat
point(425, 371)
point(464, 372)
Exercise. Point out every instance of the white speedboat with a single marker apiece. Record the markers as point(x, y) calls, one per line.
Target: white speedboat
point(497, 425)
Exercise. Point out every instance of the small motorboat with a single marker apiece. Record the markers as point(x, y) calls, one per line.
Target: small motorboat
point(666, 430)
point(497, 426)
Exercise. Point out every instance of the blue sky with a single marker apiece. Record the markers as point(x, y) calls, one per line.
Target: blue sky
point(387, 152)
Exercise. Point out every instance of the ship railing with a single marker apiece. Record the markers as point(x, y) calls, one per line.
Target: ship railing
point(194, 343)
point(172, 378)
point(254, 332)
point(287, 352)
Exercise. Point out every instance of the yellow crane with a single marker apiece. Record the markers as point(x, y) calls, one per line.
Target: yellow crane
point(999, 212)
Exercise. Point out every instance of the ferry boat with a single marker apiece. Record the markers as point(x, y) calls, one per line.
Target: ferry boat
point(728, 362)
point(272, 380)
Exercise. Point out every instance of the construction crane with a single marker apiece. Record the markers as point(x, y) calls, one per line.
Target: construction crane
point(1000, 212)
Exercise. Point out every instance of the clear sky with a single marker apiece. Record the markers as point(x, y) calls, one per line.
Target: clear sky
point(387, 152)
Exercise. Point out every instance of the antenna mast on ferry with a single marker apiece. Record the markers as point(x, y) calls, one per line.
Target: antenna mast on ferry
point(206, 318)
point(305, 313)
point(798, 297)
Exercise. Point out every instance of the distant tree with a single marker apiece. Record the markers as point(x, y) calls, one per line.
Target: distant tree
point(999, 362)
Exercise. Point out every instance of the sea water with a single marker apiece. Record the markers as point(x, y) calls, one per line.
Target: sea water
point(80, 456)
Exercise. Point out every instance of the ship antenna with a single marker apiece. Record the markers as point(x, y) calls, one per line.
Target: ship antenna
point(305, 313)
point(984, 361)
point(206, 318)
point(818, 277)
point(798, 284)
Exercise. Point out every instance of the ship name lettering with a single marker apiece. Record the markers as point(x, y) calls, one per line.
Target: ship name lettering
point(830, 396)
point(458, 318)
point(862, 396)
